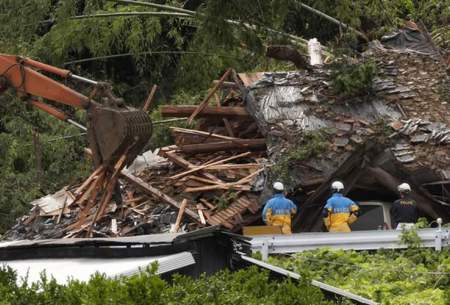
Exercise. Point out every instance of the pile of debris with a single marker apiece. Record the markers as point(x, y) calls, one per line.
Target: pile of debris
point(264, 126)
point(211, 176)
point(399, 133)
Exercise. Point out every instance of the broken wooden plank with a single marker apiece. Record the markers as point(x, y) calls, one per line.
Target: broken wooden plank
point(201, 133)
point(249, 78)
point(187, 110)
point(233, 166)
point(172, 156)
point(228, 127)
point(204, 103)
point(235, 145)
point(204, 180)
point(88, 181)
point(114, 226)
point(238, 185)
point(150, 98)
point(108, 191)
point(225, 84)
point(58, 220)
point(227, 186)
point(180, 215)
point(208, 204)
point(200, 209)
point(198, 168)
point(148, 189)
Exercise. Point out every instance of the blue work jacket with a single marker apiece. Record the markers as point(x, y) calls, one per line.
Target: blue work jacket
point(280, 205)
point(338, 203)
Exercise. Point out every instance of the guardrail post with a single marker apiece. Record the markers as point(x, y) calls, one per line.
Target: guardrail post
point(439, 236)
point(265, 250)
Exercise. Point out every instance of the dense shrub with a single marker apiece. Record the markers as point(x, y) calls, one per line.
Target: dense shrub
point(391, 277)
point(249, 287)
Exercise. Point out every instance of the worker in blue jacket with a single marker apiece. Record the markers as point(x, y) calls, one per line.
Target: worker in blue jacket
point(279, 210)
point(340, 211)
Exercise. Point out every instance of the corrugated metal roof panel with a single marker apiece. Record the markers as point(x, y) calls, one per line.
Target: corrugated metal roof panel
point(63, 269)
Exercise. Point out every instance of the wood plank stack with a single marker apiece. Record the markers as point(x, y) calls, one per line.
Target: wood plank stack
point(216, 163)
point(206, 178)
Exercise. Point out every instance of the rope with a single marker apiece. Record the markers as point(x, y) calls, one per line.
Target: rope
point(142, 53)
point(61, 138)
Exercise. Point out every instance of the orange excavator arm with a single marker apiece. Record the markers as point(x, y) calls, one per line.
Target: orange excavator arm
point(112, 129)
point(18, 73)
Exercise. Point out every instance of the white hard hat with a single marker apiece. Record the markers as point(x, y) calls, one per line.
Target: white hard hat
point(278, 186)
point(404, 187)
point(337, 185)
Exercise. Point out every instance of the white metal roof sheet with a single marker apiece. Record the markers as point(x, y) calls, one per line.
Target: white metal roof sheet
point(63, 269)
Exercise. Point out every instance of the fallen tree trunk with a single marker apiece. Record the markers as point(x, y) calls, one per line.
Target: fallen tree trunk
point(187, 110)
point(235, 145)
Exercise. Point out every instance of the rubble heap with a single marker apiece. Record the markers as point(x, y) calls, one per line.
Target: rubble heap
point(289, 126)
point(399, 132)
point(211, 176)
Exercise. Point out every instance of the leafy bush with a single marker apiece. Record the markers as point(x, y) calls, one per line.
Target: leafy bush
point(249, 286)
point(310, 145)
point(408, 277)
point(349, 79)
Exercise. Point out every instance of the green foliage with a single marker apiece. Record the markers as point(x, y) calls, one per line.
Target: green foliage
point(410, 238)
point(350, 79)
point(225, 199)
point(62, 159)
point(162, 135)
point(248, 286)
point(412, 276)
point(310, 145)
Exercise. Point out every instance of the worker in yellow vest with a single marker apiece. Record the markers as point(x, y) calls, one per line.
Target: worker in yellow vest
point(279, 210)
point(340, 211)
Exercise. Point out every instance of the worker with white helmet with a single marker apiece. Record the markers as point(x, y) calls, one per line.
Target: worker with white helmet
point(404, 210)
point(339, 211)
point(279, 210)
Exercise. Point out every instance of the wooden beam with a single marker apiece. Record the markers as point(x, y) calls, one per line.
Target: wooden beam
point(172, 156)
point(88, 181)
point(228, 127)
point(235, 145)
point(233, 166)
point(150, 98)
point(198, 168)
point(201, 133)
point(225, 84)
point(186, 110)
point(227, 186)
point(180, 215)
point(205, 102)
point(152, 191)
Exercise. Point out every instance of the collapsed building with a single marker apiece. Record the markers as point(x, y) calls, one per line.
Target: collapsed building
point(398, 133)
point(289, 126)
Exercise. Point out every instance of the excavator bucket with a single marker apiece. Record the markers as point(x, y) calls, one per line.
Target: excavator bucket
point(114, 131)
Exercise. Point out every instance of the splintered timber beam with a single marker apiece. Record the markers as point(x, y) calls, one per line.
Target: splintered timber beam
point(198, 168)
point(187, 110)
point(152, 191)
point(201, 133)
point(239, 144)
point(205, 102)
point(180, 215)
point(172, 156)
point(150, 98)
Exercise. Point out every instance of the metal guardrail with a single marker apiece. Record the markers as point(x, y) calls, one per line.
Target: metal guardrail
point(360, 240)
